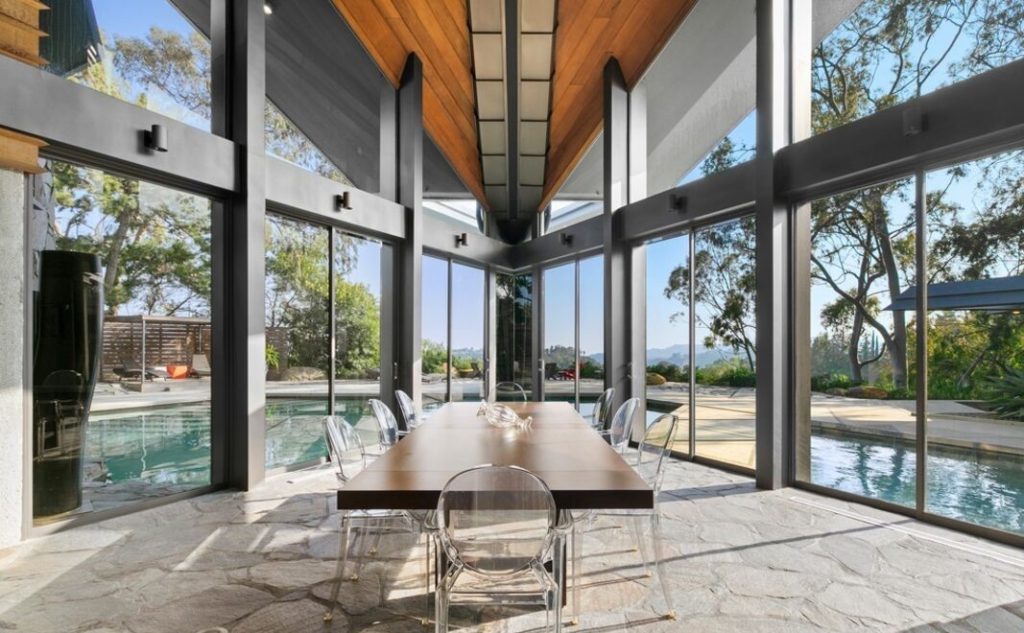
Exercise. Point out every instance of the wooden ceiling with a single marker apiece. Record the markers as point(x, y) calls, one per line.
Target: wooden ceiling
point(437, 31)
point(589, 32)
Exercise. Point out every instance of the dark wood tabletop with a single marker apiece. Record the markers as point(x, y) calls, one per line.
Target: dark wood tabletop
point(581, 469)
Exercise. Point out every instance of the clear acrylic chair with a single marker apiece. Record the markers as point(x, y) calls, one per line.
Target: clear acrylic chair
point(621, 426)
point(410, 418)
point(602, 407)
point(507, 390)
point(649, 462)
point(348, 455)
point(388, 432)
point(497, 522)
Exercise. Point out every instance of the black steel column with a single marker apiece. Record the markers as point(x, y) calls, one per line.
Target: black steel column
point(782, 37)
point(388, 181)
point(410, 195)
point(239, 80)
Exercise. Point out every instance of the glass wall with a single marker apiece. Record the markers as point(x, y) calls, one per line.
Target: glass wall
point(975, 297)
point(515, 334)
point(884, 53)
point(862, 405)
point(298, 334)
point(467, 350)
point(304, 263)
point(573, 345)
point(453, 331)
point(122, 355)
point(559, 345)
point(668, 334)
point(724, 284)
point(150, 55)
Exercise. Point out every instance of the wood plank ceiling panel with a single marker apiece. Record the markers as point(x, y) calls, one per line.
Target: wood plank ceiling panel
point(437, 31)
point(589, 33)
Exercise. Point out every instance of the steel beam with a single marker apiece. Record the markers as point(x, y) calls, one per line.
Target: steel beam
point(439, 237)
point(409, 123)
point(86, 126)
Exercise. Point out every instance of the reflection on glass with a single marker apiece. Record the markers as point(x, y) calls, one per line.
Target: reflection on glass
point(515, 322)
point(668, 335)
point(150, 56)
point(297, 340)
point(285, 141)
point(591, 299)
point(560, 333)
point(357, 338)
point(435, 332)
point(467, 375)
point(884, 53)
point(121, 406)
point(862, 347)
point(975, 406)
point(738, 146)
point(723, 312)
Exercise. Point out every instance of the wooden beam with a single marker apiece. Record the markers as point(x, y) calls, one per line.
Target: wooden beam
point(19, 30)
point(19, 152)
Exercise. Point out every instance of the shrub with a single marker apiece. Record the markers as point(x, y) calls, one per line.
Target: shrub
point(733, 373)
point(669, 371)
point(1008, 390)
point(653, 379)
point(273, 358)
point(824, 382)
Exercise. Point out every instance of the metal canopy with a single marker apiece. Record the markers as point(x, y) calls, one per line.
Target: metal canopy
point(1005, 294)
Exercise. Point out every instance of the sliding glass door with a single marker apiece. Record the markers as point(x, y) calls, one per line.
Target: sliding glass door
point(453, 330)
point(573, 341)
point(701, 339)
point(322, 285)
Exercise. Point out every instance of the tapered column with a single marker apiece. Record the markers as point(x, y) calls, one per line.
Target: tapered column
point(409, 116)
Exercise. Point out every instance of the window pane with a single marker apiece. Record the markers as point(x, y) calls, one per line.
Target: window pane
point(668, 334)
point(357, 314)
point(298, 340)
point(724, 285)
point(121, 404)
point(862, 371)
point(435, 332)
point(975, 291)
point(515, 322)
point(737, 147)
point(285, 141)
point(560, 333)
point(591, 298)
point(885, 53)
point(143, 53)
point(467, 333)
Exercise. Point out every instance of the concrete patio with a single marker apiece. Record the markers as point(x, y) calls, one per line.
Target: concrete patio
point(740, 559)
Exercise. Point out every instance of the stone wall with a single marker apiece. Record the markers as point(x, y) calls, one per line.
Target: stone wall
point(12, 379)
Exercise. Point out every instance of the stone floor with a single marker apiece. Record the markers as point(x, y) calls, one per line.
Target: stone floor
point(739, 559)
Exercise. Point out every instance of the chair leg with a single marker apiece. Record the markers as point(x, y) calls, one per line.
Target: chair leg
point(577, 574)
point(638, 533)
point(340, 571)
point(659, 564)
point(426, 577)
point(557, 565)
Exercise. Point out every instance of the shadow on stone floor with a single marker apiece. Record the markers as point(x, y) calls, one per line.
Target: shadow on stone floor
point(1007, 617)
point(721, 490)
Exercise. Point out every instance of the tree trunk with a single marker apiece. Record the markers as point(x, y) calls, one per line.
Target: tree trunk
point(898, 345)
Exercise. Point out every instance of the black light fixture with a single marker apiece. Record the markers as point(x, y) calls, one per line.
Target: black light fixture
point(677, 203)
point(913, 121)
point(461, 240)
point(341, 202)
point(566, 239)
point(156, 138)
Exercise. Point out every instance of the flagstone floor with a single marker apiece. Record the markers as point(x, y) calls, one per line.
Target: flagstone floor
point(739, 559)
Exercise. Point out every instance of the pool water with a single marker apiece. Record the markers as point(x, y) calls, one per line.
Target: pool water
point(980, 487)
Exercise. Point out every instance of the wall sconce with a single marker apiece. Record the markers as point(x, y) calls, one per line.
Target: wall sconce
point(913, 121)
point(677, 203)
point(155, 138)
point(341, 202)
point(461, 240)
point(566, 239)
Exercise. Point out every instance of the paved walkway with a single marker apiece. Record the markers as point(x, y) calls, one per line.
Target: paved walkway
point(739, 560)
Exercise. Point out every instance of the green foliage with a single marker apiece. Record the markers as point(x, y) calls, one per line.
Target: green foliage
point(1008, 395)
point(670, 371)
point(824, 382)
point(655, 379)
point(273, 358)
point(727, 373)
point(589, 368)
point(434, 357)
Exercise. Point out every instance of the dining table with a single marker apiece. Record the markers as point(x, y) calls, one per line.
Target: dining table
point(580, 468)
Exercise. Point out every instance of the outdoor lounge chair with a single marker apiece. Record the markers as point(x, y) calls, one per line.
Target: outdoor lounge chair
point(201, 365)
